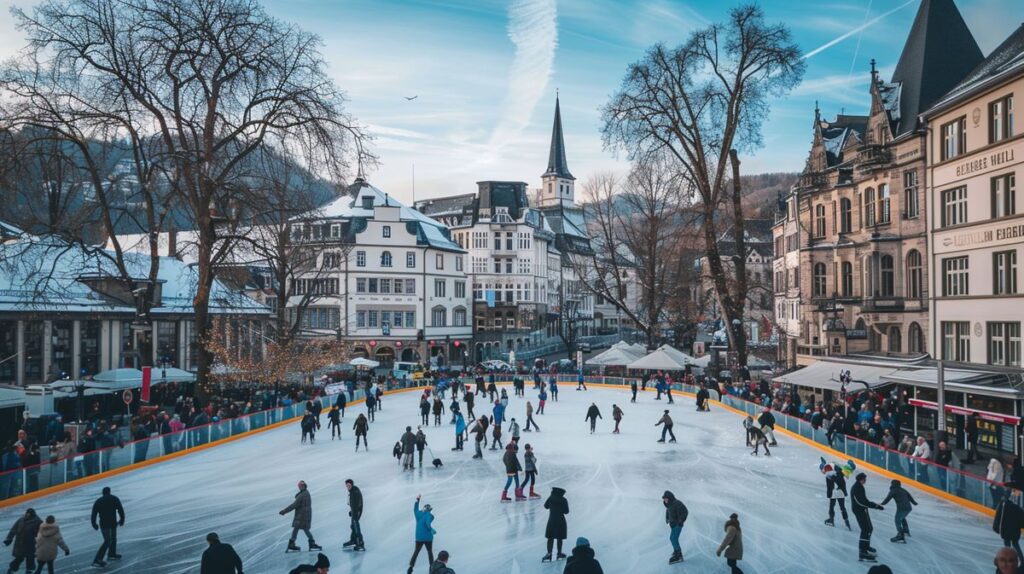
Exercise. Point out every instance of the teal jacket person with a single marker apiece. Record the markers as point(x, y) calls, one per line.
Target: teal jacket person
point(424, 532)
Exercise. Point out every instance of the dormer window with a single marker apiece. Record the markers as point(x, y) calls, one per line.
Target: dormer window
point(367, 202)
point(501, 215)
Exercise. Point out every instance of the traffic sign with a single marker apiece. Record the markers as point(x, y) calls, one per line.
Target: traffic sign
point(127, 396)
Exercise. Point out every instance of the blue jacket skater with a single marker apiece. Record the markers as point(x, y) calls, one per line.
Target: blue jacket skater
point(424, 533)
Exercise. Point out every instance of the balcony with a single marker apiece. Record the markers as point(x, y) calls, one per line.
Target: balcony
point(871, 156)
point(813, 179)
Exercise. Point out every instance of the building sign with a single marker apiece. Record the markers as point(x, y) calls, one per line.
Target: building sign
point(980, 237)
point(856, 334)
point(984, 162)
point(956, 410)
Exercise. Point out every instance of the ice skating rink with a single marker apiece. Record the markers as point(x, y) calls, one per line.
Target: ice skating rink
point(614, 485)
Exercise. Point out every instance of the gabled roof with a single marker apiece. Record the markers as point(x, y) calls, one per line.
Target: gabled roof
point(838, 134)
point(939, 52)
point(1006, 59)
point(557, 165)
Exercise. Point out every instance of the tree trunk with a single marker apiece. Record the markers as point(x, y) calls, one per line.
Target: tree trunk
point(201, 305)
point(739, 298)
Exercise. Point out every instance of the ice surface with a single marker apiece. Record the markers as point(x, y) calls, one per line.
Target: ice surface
point(614, 485)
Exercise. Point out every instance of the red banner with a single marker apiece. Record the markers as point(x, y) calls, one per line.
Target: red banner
point(964, 411)
point(147, 378)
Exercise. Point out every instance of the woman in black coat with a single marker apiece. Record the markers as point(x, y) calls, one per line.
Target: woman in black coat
point(557, 529)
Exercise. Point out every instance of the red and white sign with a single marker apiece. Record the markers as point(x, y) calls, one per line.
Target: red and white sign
point(127, 396)
point(147, 380)
point(964, 411)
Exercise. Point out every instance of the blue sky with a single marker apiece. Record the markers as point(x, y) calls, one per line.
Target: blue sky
point(485, 73)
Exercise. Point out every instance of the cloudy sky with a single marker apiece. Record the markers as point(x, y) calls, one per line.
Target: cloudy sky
point(485, 73)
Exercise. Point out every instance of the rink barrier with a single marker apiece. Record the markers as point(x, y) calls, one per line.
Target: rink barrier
point(51, 477)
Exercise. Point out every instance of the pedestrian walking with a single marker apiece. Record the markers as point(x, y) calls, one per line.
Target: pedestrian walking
point(667, 429)
point(23, 535)
point(424, 533)
point(593, 413)
point(675, 516)
point(617, 417)
point(219, 558)
point(732, 544)
point(905, 503)
point(110, 514)
point(302, 506)
point(355, 513)
point(861, 505)
point(530, 461)
point(557, 529)
point(361, 426)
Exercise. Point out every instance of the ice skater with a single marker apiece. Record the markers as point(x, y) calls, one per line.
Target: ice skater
point(424, 409)
point(667, 429)
point(542, 398)
point(617, 417)
point(496, 437)
point(632, 389)
point(553, 385)
point(50, 539)
point(421, 443)
point(557, 529)
point(469, 397)
point(480, 429)
point(904, 504)
point(334, 422)
point(340, 403)
point(767, 422)
point(499, 413)
point(453, 407)
point(302, 506)
point(371, 406)
point(748, 425)
point(675, 515)
point(424, 533)
point(438, 409)
point(396, 451)
point(513, 430)
point(308, 425)
point(408, 441)
point(529, 418)
point(360, 429)
point(580, 382)
point(732, 544)
point(860, 506)
point(355, 512)
point(593, 413)
point(835, 491)
point(23, 535)
point(460, 430)
point(531, 471)
point(322, 566)
point(512, 469)
point(757, 437)
point(110, 512)
point(1008, 522)
point(702, 399)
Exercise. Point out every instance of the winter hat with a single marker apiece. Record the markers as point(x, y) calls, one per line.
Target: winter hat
point(581, 541)
point(666, 411)
point(427, 508)
point(880, 569)
point(322, 561)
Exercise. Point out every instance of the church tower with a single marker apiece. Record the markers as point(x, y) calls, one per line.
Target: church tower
point(558, 185)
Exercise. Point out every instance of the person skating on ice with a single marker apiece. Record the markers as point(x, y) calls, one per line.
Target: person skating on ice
point(334, 422)
point(702, 399)
point(513, 430)
point(835, 491)
point(667, 429)
point(218, 558)
point(480, 430)
point(529, 418)
point(49, 539)
point(421, 443)
point(308, 425)
point(396, 451)
point(553, 385)
point(632, 389)
point(582, 560)
point(732, 544)
point(424, 409)
point(453, 407)
point(469, 398)
point(904, 504)
point(748, 424)
point(496, 437)
point(542, 398)
point(593, 413)
point(460, 430)
point(512, 469)
point(767, 422)
point(617, 417)
point(438, 410)
point(556, 530)
point(675, 516)
point(340, 403)
point(371, 406)
point(322, 566)
point(23, 535)
point(581, 384)
point(860, 506)
point(530, 461)
point(355, 513)
point(757, 437)
point(424, 533)
point(1008, 522)
point(302, 506)
point(110, 512)
point(360, 428)
point(408, 441)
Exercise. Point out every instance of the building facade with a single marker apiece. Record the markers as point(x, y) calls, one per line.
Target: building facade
point(786, 283)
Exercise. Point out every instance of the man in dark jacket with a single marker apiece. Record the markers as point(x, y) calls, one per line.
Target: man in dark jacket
point(767, 422)
point(1008, 522)
point(355, 506)
point(23, 535)
point(860, 505)
point(303, 519)
point(675, 515)
point(219, 558)
point(904, 504)
point(408, 441)
point(111, 515)
point(582, 560)
point(593, 413)
point(440, 566)
point(702, 399)
point(322, 566)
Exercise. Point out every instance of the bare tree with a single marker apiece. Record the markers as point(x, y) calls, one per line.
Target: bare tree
point(211, 82)
point(700, 103)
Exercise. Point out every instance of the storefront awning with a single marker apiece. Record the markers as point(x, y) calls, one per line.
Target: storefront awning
point(825, 375)
point(976, 382)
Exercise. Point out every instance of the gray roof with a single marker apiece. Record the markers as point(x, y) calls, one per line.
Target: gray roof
point(557, 165)
point(939, 52)
point(835, 135)
point(1006, 59)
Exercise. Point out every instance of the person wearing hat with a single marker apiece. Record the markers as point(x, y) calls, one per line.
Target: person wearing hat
point(732, 544)
point(219, 558)
point(303, 519)
point(767, 422)
point(23, 535)
point(582, 560)
point(424, 533)
point(557, 529)
point(48, 541)
point(675, 515)
point(667, 421)
point(322, 566)
point(860, 506)
point(441, 565)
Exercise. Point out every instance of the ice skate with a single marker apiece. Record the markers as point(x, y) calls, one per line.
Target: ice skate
point(867, 557)
point(848, 527)
point(292, 548)
point(898, 539)
point(349, 544)
point(532, 493)
point(830, 522)
point(519, 494)
point(661, 440)
point(672, 440)
point(96, 564)
point(675, 558)
point(313, 546)
point(560, 556)
point(546, 558)
point(504, 496)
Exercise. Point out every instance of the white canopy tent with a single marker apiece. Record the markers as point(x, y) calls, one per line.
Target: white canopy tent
point(614, 357)
point(362, 362)
point(661, 360)
point(172, 375)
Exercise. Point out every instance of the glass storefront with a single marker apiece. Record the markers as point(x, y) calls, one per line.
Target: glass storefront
point(8, 352)
point(61, 354)
point(167, 343)
point(89, 347)
point(34, 332)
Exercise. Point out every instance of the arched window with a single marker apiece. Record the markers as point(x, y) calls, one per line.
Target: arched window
point(869, 207)
point(819, 220)
point(895, 340)
point(845, 215)
point(459, 316)
point(915, 278)
point(915, 339)
point(883, 203)
point(820, 283)
point(385, 259)
point(888, 276)
point(847, 279)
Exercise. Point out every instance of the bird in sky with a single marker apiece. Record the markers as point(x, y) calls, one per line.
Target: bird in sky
point(411, 98)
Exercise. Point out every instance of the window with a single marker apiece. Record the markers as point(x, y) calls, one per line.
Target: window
point(410, 287)
point(1003, 190)
point(458, 263)
point(385, 259)
point(820, 283)
point(915, 276)
point(410, 259)
point(332, 260)
point(508, 241)
point(386, 231)
point(954, 138)
point(367, 202)
point(371, 319)
point(479, 265)
point(847, 279)
point(479, 240)
point(888, 276)
point(440, 288)
point(361, 285)
point(410, 318)
point(1004, 272)
point(459, 317)
point(360, 259)
point(508, 266)
point(915, 344)
point(478, 292)
point(497, 265)
point(385, 285)
point(399, 286)
point(336, 231)
point(954, 206)
point(954, 276)
point(1000, 124)
point(869, 207)
point(439, 317)
point(497, 241)
point(460, 289)
point(819, 220)
point(845, 215)
point(956, 341)
point(884, 203)
point(371, 285)
point(360, 319)
point(1004, 344)
point(396, 319)
point(440, 261)
point(895, 340)
point(911, 206)
point(525, 266)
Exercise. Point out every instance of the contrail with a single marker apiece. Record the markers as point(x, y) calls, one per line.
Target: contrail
point(860, 28)
point(856, 51)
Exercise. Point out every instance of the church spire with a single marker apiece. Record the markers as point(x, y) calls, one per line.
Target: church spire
point(557, 165)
